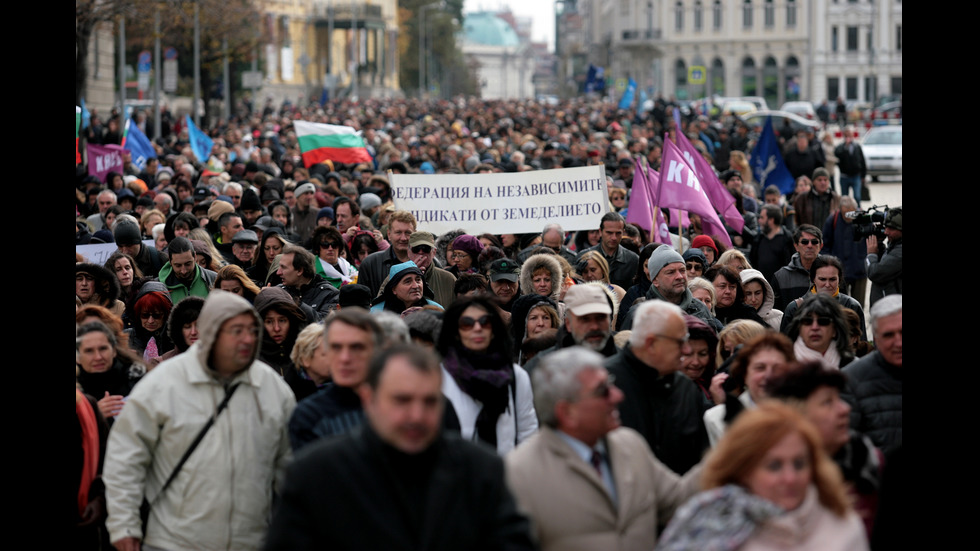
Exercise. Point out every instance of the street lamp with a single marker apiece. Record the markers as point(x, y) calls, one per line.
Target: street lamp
point(422, 45)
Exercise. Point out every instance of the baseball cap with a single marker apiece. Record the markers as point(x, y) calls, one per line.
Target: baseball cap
point(583, 300)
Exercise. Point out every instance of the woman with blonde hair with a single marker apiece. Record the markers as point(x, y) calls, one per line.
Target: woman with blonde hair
point(734, 259)
point(736, 333)
point(233, 279)
point(592, 266)
point(768, 485)
point(702, 289)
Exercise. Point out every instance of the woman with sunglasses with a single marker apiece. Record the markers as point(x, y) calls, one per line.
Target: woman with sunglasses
point(490, 395)
point(332, 254)
point(149, 337)
point(820, 333)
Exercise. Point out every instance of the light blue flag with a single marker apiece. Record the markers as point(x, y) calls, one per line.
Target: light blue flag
point(201, 144)
point(627, 99)
point(139, 145)
point(86, 116)
point(768, 167)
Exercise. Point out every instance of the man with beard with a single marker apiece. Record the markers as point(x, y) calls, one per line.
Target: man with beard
point(182, 275)
point(588, 323)
point(660, 401)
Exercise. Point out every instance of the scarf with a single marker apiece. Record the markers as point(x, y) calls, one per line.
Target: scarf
point(829, 359)
point(720, 519)
point(346, 275)
point(90, 448)
point(486, 377)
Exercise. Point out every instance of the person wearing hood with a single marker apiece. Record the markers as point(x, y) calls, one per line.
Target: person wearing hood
point(182, 275)
point(531, 316)
point(97, 285)
point(282, 320)
point(403, 289)
point(222, 497)
point(149, 337)
point(668, 276)
point(541, 275)
point(182, 326)
point(758, 294)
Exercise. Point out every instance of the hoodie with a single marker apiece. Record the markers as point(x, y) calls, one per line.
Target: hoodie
point(772, 316)
point(536, 262)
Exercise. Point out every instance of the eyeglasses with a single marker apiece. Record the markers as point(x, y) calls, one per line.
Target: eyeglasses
point(237, 331)
point(155, 315)
point(809, 241)
point(822, 321)
point(681, 341)
point(466, 323)
point(459, 255)
point(330, 245)
point(422, 249)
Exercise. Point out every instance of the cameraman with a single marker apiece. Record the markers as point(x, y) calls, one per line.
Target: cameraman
point(839, 240)
point(885, 269)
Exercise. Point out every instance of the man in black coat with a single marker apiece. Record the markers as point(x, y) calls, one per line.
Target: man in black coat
point(660, 402)
point(398, 482)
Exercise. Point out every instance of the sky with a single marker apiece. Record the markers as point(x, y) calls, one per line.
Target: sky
point(542, 13)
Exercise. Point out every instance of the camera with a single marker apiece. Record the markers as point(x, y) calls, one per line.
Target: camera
point(868, 222)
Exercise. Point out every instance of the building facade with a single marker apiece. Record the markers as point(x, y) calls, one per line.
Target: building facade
point(504, 61)
point(782, 50)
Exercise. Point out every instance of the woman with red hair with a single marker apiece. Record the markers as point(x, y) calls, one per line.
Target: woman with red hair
point(149, 337)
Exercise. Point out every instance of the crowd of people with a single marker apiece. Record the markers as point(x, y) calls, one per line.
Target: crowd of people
point(274, 355)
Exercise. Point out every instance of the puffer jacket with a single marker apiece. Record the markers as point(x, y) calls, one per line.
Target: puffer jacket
point(874, 390)
point(772, 316)
point(536, 262)
point(792, 280)
point(222, 496)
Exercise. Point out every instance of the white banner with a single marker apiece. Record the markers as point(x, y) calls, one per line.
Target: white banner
point(98, 253)
point(512, 202)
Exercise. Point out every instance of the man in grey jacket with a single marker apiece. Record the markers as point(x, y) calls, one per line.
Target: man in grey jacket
point(221, 497)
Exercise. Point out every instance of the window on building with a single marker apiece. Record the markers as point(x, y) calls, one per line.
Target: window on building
point(769, 14)
point(716, 15)
point(749, 81)
point(718, 77)
point(770, 81)
point(834, 39)
point(870, 40)
point(870, 89)
point(852, 39)
point(851, 83)
point(792, 78)
point(833, 88)
point(679, 16)
point(680, 79)
point(698, 12)
point(898, 38)
point(896, 85)
point(624, 8)
point(790, 13)
point(747, 14)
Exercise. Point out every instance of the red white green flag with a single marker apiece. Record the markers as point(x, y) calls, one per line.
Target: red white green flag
point(320, 142)
point(78, 122)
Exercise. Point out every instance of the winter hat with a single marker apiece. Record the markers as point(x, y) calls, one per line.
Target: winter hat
point(468, 244)
point(704, 241)
point(661, 257)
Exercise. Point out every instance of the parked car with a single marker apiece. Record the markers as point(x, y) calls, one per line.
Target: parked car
point(802, 108)
point(889, 113)
point(882, 147)
point(796, 121)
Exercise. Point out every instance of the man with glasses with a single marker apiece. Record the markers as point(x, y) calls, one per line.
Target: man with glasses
point(660, 401)
point(422, 247)
point(583, 477)
point(552, 237)
point(221, 496)
point(793, 279)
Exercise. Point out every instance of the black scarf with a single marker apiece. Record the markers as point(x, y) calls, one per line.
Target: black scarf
point(486, 377)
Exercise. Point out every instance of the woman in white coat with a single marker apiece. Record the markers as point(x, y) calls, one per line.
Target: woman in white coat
point(490, 395)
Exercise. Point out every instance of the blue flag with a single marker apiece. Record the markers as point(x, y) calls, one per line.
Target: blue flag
point(768, 167)
point(201, 144)
point(139, 145)
point(86, 116)
point(627, 99)
point(594, 80)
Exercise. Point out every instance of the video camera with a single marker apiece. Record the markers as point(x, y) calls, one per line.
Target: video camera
point(868, 222)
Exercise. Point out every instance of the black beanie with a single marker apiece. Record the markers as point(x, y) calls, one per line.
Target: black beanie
point(127, 234)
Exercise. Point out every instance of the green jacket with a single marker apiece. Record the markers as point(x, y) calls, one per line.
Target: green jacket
point(200, 286)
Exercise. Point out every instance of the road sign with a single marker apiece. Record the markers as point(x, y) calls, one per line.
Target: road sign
point(697, 74)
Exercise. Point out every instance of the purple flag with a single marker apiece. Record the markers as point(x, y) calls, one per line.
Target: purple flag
point(103, 159)
point(720, 198)
point(681, 189)
point(643, 201)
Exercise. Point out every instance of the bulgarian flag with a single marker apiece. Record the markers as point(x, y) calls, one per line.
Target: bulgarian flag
point(78, 121)
point(322, 142)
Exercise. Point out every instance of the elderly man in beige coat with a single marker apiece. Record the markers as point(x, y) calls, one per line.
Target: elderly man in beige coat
point(585, 482)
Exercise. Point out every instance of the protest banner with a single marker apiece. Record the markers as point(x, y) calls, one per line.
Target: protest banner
point(104, 159)
point(98, 253)
point(513, 202)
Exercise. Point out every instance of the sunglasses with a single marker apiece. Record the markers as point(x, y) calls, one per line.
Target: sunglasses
point(693, 266)
point(154, 315)
point(809, 241)
point(466, 323)
point(604, 389)
point(330, 245)
point(422, 249)
point(822, 321)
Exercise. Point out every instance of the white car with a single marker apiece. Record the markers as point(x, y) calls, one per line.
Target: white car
point(802, 108)
point(882, 147)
